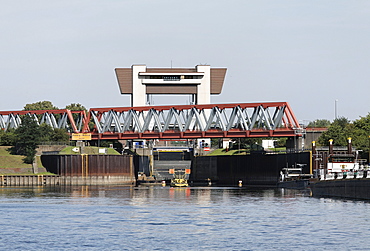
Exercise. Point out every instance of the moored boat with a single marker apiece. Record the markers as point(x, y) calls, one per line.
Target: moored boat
point(294, 178)
point(180, 178)
point(179, 183)
point(344, 176)
point(144, 180)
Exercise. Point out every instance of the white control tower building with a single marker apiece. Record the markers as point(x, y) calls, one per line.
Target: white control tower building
point(200, 82)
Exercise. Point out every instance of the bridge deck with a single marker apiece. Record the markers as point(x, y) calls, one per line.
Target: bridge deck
point(274, 119)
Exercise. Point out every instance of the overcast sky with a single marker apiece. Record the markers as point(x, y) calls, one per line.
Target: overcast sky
point(308, 53)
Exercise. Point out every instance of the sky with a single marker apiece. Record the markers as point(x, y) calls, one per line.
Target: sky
point(313, 54)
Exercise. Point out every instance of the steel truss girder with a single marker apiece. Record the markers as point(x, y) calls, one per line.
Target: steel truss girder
point(246, 120)
point(57, 119)
point(274, 119)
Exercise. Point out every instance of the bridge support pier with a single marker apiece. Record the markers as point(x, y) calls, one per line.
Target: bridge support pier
point(296, 142)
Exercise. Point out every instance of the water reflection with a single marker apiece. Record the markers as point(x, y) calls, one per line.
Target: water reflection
point(202, 194)
point(149, 218)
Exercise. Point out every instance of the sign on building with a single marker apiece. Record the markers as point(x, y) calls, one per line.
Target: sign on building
point(81, 136)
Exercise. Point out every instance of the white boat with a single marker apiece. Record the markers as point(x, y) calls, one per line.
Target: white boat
point(342, 166)
point(293, 177)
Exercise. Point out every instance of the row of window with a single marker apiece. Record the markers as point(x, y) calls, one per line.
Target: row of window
point(172, 78)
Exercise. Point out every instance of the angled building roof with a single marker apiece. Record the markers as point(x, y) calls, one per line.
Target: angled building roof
point(170, 80)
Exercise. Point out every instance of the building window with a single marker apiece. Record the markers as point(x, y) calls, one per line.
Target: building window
point(171, 78)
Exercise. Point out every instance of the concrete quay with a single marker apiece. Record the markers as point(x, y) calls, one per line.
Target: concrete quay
point(55, 180)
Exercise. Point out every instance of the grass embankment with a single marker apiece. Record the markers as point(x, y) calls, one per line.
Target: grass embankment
point(14, 165)
point(11, 161)
point(221, 152)
point(89, 150)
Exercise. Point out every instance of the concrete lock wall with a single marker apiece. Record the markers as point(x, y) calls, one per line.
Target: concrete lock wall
point(91, 169)
point(29, 180)
point(254, 169)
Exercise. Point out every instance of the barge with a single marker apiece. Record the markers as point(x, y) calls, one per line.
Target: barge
point(343, 176)
point(294, 178)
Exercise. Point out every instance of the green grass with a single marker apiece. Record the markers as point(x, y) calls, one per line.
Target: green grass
point(11, 161)
point(219, 152)
point(89, 150)
point(4, 150)
point(8, 161)
point(16, 166)
point(278, 149)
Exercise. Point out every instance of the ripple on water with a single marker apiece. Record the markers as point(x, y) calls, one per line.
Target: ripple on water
point(165, 219)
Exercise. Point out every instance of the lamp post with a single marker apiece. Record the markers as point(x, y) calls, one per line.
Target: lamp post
point(335, 109)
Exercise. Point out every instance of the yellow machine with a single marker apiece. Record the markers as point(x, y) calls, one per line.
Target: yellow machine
point(180, 178)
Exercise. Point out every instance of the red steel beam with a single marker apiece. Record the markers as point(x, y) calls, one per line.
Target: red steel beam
point(188, 107)
point(59, 111)
point(288, 131)
point(37, 112)
point(289, 119)
point(194, 134)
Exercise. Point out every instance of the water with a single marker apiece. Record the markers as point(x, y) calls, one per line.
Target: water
point(123, 218)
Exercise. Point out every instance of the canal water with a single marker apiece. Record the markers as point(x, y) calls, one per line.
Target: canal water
point(163, 218)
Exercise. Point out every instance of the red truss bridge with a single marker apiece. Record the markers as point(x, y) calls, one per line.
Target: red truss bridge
point(274, 119)
point(73, 121)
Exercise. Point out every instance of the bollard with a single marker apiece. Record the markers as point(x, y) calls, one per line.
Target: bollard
point(240, 183)
point(163, 183)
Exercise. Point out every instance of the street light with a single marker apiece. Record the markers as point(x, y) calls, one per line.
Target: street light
point(336, 110)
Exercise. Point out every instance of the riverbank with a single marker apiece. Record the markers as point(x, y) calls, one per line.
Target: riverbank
point(14, 165)
point(67, 166)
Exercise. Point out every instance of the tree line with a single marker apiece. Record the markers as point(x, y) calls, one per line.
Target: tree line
point(25, 139)
point(341, 129)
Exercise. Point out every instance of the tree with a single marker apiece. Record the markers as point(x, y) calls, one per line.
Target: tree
point(79, 107)
point(28, 136)
point(41, 105)
point(60, 135)
point(76, 107)
point(363, 123)
point(281, 142)
point(338, 131)
point(319, 123)
point(342, 122)
point(7, 138)
point(342, 129)
point(46, 133)
point(245, 143)
point(361, 133)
